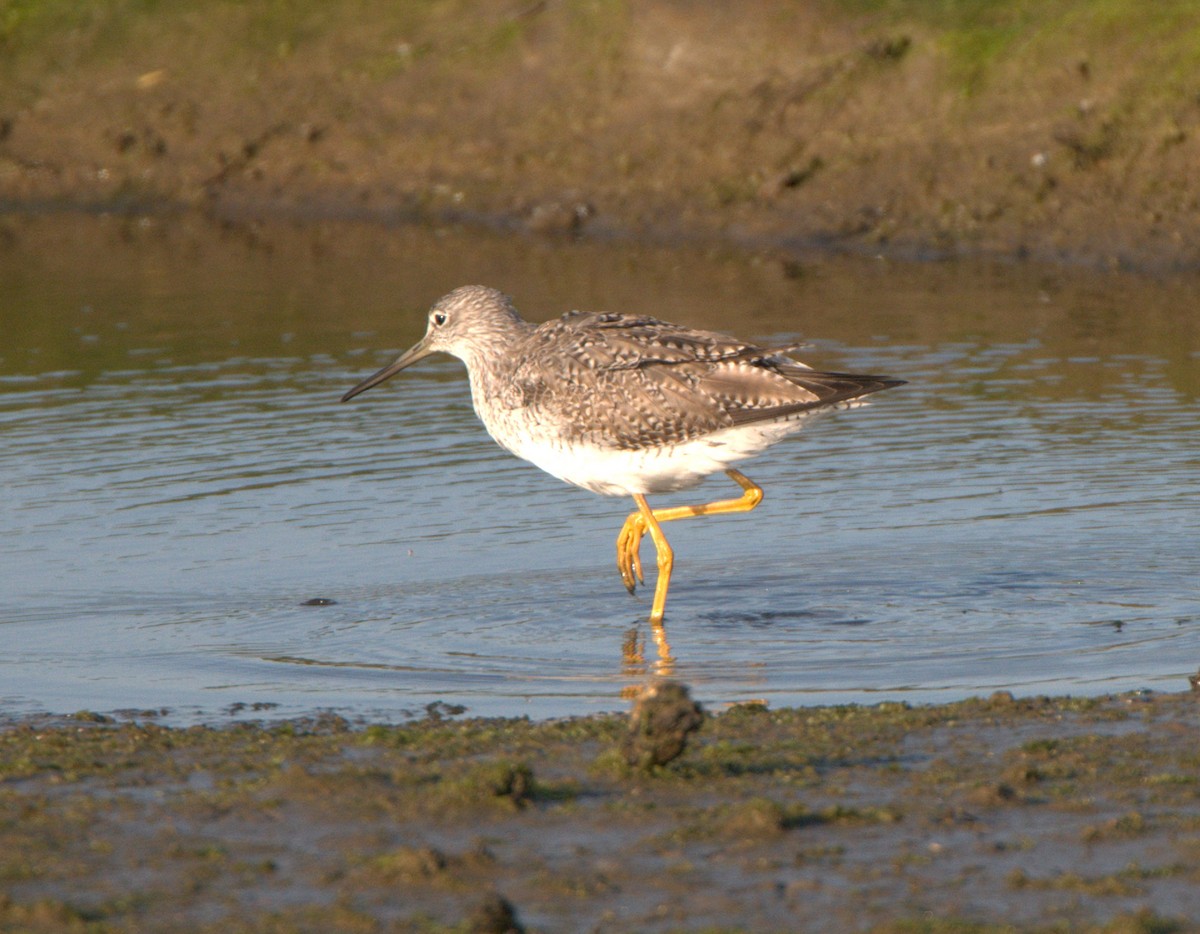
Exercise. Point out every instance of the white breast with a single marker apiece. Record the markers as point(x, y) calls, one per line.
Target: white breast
point(654, 470)
point(617, 472)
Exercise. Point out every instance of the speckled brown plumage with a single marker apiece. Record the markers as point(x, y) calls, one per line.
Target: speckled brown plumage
point(624, 404)
point(633, 382)
point(627, 405)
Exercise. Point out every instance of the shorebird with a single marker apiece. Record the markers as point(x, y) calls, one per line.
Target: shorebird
point(627, 405)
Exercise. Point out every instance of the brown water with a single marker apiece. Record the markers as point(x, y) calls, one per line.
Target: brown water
point(179, 479)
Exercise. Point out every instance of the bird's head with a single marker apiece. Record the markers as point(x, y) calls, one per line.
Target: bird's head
point(468, 323)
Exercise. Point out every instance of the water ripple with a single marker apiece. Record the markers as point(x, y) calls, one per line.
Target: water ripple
point(1022, 515)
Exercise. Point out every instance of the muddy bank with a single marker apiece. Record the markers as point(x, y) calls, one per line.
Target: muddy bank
point(986, 815)
point(1061, 130)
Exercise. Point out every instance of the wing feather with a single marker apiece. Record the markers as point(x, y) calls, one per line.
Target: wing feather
point(664, 384)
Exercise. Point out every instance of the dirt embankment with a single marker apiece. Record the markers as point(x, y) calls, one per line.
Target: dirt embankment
point(1064, 129)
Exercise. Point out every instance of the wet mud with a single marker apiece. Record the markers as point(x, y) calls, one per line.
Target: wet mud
point(991, 814)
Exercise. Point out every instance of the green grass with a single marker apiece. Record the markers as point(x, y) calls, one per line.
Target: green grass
point(976, 36)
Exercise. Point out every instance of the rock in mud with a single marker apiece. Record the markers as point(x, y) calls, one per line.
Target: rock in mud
point(494, 915)
point(661, 720)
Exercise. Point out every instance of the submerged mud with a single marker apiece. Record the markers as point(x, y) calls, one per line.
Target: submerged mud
point(986, 815)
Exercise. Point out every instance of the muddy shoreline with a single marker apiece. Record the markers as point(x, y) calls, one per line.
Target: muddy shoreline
point(1039, 814)
point(1064, 132)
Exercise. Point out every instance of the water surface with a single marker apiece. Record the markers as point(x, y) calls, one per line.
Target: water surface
point(179, 481)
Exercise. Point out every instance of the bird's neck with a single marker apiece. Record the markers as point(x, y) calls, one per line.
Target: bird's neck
point(495, 353)
point(491, 370)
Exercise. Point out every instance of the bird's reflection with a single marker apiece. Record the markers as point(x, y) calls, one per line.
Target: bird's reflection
point(633, 656)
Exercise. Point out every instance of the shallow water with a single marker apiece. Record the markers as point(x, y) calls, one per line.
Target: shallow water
point(179, 480)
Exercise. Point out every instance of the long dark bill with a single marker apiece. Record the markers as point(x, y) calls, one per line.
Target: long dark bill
point(409, 357)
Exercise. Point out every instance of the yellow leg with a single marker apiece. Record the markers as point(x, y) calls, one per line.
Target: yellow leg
point(647, 520)
point(666, 559)
point(628, 562)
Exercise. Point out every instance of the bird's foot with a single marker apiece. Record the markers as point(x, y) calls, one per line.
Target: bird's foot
point(628, 542)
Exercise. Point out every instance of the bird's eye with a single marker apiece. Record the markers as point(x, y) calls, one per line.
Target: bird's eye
point(439, 319)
